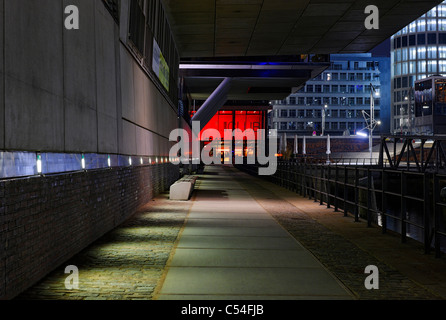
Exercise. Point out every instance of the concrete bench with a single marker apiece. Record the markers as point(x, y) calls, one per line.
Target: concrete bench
point(182, 189)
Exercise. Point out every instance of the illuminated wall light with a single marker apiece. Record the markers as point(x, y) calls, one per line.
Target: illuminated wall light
point(130, 161)
point(150, 160)
point(83, 161)
point(39, 163)
point(141, 161)
point(156, 160)
point(109, 161)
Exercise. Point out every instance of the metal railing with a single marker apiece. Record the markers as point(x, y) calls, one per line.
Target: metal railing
point(408, 200)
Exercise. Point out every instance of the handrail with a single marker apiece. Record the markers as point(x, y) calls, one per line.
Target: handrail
point(356, 189)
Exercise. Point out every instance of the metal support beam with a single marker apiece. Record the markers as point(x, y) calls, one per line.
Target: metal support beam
point(211, 106)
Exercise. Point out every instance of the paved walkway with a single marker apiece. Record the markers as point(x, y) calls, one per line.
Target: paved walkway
point(244, 238)
point(232, 248)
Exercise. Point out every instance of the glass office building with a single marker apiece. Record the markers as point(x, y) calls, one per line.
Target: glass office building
point(418, 51)
point(343, 91)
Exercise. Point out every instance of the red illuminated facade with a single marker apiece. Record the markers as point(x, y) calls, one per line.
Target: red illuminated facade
point(238, 119)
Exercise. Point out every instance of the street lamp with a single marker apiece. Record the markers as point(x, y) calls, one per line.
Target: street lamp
point(370, 120)
point(323, 118)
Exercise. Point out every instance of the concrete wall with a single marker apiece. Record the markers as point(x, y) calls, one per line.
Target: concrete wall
point(147, 118)
point(34, 78)
point(77, 90)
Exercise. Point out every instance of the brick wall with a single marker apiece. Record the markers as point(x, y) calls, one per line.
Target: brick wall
point(44, 221)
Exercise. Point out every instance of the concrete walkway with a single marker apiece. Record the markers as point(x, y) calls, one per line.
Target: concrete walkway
point(232, 248)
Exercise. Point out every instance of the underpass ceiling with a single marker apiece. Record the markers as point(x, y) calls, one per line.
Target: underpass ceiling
point(223, 28)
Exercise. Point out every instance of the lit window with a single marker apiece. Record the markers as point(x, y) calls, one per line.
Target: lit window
point(412, 67)
point(432, 66)
point(397, 69)
point(412, 53)
point(432, 12)
point(442, 11)
point(398, 56)
point(404, 54)
point(431, 25)
point(421, 66)
point(421, 25)
point(404, 69)
point(421, 53)
point(432, 52)
point(413, 27)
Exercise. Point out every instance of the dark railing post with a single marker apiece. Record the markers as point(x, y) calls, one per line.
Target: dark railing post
point(299, 174)
point(314, 178)
point(295, 189)
point(426, 212)
point(403, 205)
point(436, 215)
point(322, 168)
point(281, 173)
point(345, 190)
point(336, 188)
point(384, 201)
point(310, 181)
point(369, 197)
point(328, 186)
point(304, 179)
point(356, 195)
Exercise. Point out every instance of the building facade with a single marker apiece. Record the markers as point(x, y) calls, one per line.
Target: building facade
point(85, 118)
point(342, 92)
point(418, 51)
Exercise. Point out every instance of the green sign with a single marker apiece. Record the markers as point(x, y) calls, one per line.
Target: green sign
point(159, 65)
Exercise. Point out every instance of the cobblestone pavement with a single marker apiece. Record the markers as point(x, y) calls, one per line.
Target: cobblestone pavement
point(125, 264)
point(304, 220)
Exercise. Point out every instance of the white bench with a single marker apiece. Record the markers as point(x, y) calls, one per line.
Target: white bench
point(182, 189)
